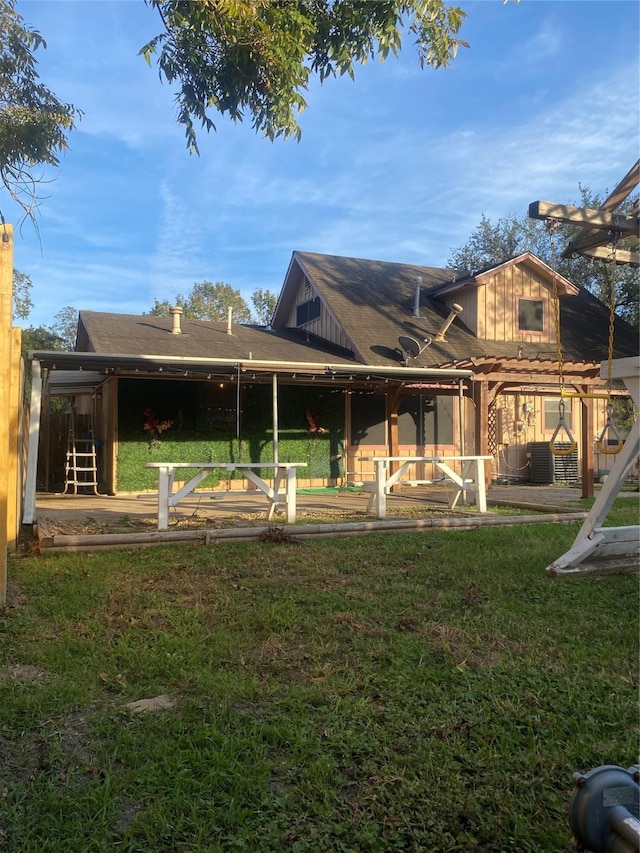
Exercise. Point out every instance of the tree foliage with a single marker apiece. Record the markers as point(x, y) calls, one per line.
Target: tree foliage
point(264, 303)
point(33, 123)
point(491, 244)
point(22, 303)
point(40, 338)
point(256, 57)
point(207, 301)
point(65, 326)
point(61, 335)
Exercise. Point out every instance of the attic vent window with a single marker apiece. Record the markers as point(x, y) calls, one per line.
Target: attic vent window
point(308, 290)
point(308, 311)
point(530, 315)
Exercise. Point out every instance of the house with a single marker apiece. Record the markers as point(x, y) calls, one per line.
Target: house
point(362, 358)
point(505, 331)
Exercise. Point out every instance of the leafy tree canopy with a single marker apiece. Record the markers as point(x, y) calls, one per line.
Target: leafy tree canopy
point(65, 326)
point(40, 338)
point(33, 123)
point(22, 303)
point(59, 336)
point(264, 304)
point(207, 301)
point(256, 57)
point(491, 244)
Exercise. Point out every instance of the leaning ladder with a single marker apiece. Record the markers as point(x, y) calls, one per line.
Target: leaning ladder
point(81, 468)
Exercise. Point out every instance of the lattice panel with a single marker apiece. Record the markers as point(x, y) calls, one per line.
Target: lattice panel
point(492, 436)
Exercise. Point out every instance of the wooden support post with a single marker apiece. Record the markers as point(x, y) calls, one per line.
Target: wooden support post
point(14, 482)
point(481, 400)
point(587, 461)
point(6, 294)
point(348, 461)
point(393, 402)
point(110, 402)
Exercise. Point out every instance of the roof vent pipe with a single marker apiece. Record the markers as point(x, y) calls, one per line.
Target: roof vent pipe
point(416, 303)
point(229, 320)
point(455, 310)
point(176, 313)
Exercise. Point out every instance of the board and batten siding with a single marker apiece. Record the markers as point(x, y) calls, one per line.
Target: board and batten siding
point(323, 326)
point(491, 309)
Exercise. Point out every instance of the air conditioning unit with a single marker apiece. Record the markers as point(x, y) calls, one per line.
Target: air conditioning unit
point(546, 467)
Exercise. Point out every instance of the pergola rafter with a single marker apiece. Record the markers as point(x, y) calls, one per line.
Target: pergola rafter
point(599, 227)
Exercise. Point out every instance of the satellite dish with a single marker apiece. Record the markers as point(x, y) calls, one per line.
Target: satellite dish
point(411, 347)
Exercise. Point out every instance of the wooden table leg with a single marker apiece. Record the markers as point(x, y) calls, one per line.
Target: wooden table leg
point(165, 482)
point(290, 495)
point(481, 489)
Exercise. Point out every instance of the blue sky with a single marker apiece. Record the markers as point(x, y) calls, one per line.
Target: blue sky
point(398, 166)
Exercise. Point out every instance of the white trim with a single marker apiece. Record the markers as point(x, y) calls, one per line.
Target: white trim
point(29, 511)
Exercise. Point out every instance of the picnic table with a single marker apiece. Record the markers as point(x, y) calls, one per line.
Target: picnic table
point(470, 479)
point(281, 489)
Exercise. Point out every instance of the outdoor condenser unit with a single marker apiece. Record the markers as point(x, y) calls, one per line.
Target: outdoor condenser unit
point(545, 467)
point(604, 811)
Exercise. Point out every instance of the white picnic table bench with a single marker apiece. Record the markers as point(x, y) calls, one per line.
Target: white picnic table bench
point(471, 479)
point(282, 489)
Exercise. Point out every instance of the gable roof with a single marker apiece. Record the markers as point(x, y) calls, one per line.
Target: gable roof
point(373, 303)
point(476, 278)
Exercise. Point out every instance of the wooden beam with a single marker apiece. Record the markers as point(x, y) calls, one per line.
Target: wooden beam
point(14, 492)
point(551, 380)
point(585, 239)
point(587, 461)
point(393, 403)
point(626, 186)
point(589, 218)
point(623, 256)
point(589, 239)
point(6, 304)
point(480, 391)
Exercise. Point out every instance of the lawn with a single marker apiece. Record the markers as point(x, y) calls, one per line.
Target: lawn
point(389, 692)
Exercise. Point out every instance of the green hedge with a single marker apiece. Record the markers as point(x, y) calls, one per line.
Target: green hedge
point(196, 435)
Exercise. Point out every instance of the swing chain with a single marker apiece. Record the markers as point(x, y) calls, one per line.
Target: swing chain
point(612, 305)
point(551, 225)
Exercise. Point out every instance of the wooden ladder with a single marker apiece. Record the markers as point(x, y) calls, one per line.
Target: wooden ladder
point(81, 467)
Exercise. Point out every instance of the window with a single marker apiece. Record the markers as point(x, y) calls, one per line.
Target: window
point(552, 414)
point(308, 311)
point(530, 315)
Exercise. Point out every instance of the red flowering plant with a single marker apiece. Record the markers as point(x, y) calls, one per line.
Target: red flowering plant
point(153, 426)
point(312, 420)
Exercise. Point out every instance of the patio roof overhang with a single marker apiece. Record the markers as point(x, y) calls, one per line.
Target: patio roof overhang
point(99, 366)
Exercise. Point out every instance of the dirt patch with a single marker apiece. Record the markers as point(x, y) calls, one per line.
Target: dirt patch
point(23, 672)
point(201, 520)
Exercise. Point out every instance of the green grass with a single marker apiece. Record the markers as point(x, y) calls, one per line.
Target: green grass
point(392, 692)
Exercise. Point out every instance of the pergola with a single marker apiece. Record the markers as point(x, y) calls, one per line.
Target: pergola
point(610, 236)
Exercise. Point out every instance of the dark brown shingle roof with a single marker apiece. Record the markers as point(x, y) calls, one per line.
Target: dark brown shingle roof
point(374, 301)
point(149, 335)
